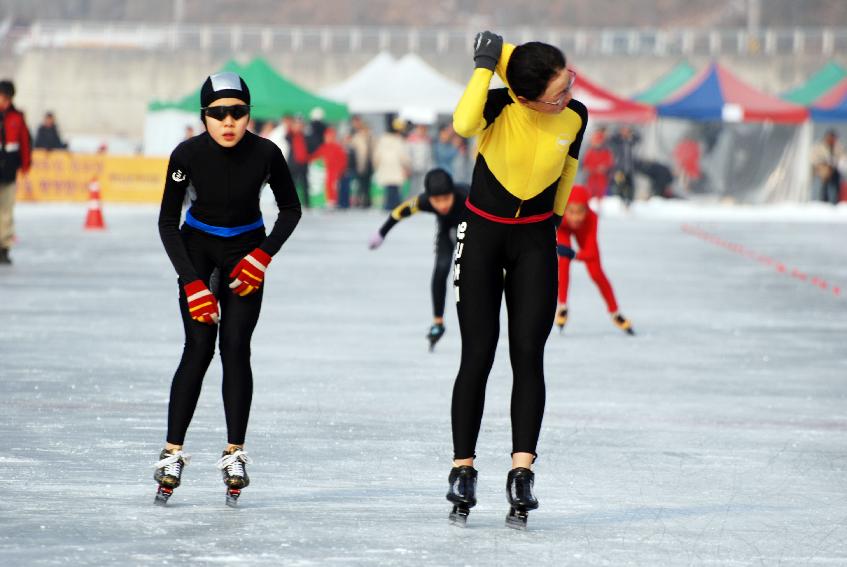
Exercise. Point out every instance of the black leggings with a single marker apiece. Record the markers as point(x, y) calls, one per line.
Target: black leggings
point(444, 245)
point(527, 254)
point(238, 319)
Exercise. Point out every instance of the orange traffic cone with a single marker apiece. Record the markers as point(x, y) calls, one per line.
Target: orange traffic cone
point(94, 219)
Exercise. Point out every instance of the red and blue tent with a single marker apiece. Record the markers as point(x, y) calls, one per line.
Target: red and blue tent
point(832, 107)
point(718, 95)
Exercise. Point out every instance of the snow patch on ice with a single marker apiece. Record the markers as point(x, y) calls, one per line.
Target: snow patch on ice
point(674, 209)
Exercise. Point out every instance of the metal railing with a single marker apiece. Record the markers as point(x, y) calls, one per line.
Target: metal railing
point(335, 39)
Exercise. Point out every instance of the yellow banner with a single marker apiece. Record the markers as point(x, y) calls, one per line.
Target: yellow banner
point(63, 176)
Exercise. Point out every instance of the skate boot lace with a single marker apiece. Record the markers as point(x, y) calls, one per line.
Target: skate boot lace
point(173, 464)
point(234, 463)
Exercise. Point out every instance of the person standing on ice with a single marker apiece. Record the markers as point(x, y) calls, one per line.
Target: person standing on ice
point(581, 223)
point(15, 156)
point(530, 134)
point(222, 171)
point(447, 200)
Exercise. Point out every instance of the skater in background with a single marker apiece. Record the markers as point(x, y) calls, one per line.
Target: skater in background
point(506, 242)
point(580, 223)
point(447, 200)
point(226, 168)
point(623, 147)
point(15, 155)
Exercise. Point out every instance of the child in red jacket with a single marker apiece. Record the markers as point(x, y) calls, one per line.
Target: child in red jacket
point(581, 223)
point(335, 162)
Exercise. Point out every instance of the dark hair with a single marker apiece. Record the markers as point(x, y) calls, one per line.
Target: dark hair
point(7, 88)
point(531, 67)
point(437, 182)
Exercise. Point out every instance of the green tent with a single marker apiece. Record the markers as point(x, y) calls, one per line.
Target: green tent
point(272, 95)
point(818, 85)
point(667, 85)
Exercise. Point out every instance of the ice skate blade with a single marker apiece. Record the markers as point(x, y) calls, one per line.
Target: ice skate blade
point(459, 516)
point(162, 496)
point(516, 520)
point(232, 498)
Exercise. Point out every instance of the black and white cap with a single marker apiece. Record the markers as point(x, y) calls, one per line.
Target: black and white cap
point(223, 85)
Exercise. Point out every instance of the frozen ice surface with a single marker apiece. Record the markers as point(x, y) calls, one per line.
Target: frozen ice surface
point(716, 436)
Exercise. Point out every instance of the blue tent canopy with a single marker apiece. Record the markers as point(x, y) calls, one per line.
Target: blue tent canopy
point(833, 106)
point(718, 95)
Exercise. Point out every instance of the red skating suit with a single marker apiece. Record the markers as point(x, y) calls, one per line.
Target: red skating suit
point(586, 239)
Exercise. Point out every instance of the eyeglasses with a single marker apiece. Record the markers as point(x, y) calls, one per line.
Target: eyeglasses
point(565, 93)
point(220, 112)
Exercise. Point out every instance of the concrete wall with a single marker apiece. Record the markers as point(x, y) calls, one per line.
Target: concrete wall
point(106, 92)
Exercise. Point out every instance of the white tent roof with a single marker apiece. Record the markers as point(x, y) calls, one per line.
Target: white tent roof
point(410, 87)
point(376, 70)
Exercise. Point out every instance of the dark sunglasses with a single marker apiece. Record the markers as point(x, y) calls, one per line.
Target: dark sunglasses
point(220, 112)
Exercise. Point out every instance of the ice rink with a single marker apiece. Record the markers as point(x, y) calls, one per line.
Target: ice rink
point(716, 436)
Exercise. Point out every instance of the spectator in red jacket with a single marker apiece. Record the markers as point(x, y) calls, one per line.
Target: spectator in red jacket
point(299, 162)
point(15, 155)
point(598, 161)
point(335, 163)
point(580, 223)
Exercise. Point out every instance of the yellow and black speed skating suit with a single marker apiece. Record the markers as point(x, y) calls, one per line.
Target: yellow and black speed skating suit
point(523, 175)
point(445, 237)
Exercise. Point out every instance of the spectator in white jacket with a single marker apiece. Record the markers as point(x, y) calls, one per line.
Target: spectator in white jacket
point(392, 163)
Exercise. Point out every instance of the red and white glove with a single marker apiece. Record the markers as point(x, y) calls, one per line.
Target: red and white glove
point(249, 273)
point(202, 305)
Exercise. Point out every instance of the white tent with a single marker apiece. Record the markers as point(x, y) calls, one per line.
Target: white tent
point(409, 87)
point(362, 82)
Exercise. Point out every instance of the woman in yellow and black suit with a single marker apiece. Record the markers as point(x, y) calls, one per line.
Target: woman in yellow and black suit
point(529, 138)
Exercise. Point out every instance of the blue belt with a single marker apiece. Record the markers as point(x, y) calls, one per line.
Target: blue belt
point(224, 231)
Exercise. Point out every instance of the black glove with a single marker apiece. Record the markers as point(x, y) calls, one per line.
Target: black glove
point(565, 251)
point(486, 50)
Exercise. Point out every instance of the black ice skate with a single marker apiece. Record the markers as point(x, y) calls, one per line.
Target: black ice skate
point(561, 318)
point(462, 493)
point(622, 323)
point(232, 465)
point(169, 473)
point(435, 334)
point(521, 499)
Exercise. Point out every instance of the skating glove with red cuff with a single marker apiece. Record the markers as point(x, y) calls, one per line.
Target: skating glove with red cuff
point(202, 305)
point(565, 251)
point(249, 273)
point(486, 50)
